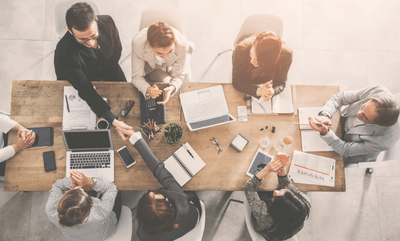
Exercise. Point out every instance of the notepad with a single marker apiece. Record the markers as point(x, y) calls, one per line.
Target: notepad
point(184, 164)
point(76, 112)
point(279, 104)
point(311, 139)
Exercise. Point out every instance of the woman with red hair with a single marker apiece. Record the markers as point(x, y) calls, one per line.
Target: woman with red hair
point(260, 65)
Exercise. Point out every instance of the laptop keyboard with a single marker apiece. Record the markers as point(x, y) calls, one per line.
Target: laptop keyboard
point(209, 122)
point(90, 160)
point(201, 110)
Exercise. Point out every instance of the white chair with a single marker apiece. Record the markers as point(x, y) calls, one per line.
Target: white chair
point(257, 23)
point(171, 15)
point(60, 9)
point(124, 226)
point(196, 234)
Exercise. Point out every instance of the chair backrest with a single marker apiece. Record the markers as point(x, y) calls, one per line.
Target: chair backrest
point(60, 9)
point(394, 152)
point(257, 23)
point(171, 15)
point(124, 226)
point(196, 234)
point(249, 223)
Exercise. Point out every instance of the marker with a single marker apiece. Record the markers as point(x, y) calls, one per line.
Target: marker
point(66, 99)
point(188, 151)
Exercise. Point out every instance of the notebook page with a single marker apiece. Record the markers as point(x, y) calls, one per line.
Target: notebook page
point(304, 113)
point(283, 102)
point(180, 175)
point(193, 165)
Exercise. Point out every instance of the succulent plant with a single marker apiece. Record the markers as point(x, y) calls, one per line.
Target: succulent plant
point(173, 133)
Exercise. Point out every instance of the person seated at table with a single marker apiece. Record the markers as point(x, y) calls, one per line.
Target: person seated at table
point(371, 124)
point(159, 54)
point(80, 216)
point(260, 65)
point(89, 51)
point(281, 215)
point(25, 138)
point(168, 213)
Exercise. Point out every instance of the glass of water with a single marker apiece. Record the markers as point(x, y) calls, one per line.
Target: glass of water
point(265, 142)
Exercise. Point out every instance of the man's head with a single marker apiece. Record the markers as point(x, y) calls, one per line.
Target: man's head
point(379, 110)
point(161, 39)
point(82, 24)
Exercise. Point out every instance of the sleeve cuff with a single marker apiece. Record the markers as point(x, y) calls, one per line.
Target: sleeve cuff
point(109, 116)
point(327, 136)
point(324, 113)
point(135, 137)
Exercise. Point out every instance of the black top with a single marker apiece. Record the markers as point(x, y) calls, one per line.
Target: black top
point(186, 213)
point(241, 76)
point(80, 65)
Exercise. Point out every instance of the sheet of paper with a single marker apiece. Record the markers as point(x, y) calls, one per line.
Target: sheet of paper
point(304, 113)
point(312, 141)
point(312, 169)
point(283, 103)
point(181, 176)
point(242, 113)
point(260, 106)
point(79, 116)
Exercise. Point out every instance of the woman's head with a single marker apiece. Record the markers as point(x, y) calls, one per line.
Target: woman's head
point(74, 207)
point(288, 209)
point(266, 50)
point(155, 213)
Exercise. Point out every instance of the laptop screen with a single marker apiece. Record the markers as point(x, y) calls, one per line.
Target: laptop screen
point(87, 140)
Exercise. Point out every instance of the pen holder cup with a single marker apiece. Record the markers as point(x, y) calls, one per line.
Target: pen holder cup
point(148, 134)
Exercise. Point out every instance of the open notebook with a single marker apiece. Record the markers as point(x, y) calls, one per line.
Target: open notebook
point(279, 104)
point(184, 164)
point(311, 139)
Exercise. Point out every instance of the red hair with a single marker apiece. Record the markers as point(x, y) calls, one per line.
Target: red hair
point(268, 48)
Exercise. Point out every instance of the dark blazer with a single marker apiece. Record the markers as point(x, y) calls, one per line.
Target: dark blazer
point(80, 65)
point(186, 213)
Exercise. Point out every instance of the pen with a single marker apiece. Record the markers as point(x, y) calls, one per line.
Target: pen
point(256, 100)
point(66, 99)
point(188, 151)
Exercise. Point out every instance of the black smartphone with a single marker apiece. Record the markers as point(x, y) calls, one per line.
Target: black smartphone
point(49, 161)
point(126, 156)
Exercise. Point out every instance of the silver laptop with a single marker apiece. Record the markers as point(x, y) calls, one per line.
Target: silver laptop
point(205, 108)
point(90, 152)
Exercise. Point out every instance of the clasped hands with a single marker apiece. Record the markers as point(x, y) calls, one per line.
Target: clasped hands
point(25, 138)
point(79, 180)
point(154, 92)
point(266, 91)
point(320, 124)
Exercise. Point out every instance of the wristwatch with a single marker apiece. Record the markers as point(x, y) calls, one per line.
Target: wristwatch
point(324, 113)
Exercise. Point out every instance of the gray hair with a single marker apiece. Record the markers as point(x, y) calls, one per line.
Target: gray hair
point(387, 110)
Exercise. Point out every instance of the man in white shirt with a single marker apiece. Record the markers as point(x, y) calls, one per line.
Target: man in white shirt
point(160, 53)
point(25, 137)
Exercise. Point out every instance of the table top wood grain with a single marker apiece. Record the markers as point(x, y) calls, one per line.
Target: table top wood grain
point(36, 103)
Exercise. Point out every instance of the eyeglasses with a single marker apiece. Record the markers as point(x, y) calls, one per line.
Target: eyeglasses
point(215, 142)
point(128, 106)
point(86, 40)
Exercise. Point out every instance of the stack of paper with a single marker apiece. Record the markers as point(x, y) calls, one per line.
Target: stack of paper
point(311, 139)
point(76, 112)
point(312, 169)
point(279, 104)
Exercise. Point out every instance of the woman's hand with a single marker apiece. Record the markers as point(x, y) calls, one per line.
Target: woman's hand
point(266, 91)
point(153, 91)
point(25, 139)
point(79, 180)
point(274, 166)
point(168, 91)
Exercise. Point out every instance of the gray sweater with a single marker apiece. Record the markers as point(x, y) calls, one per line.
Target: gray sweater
point(262, 222)
point(102, 221)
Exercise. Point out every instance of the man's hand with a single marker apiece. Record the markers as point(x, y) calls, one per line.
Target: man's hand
point(125, 132)
point(168, 91)
point(321, 127)
point(25, 139)
point(266, 91)
point(79, 180)
point(120, 125)
point(154, 91)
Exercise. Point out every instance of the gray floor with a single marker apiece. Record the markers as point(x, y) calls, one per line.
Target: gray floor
point(352, 44)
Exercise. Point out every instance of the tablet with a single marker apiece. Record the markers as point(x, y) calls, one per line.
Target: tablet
point(261, 157)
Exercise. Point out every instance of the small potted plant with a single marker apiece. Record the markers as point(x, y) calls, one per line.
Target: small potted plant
point(173, 133)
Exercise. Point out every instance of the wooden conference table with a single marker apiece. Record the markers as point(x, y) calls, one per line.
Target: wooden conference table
point(39, 103)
